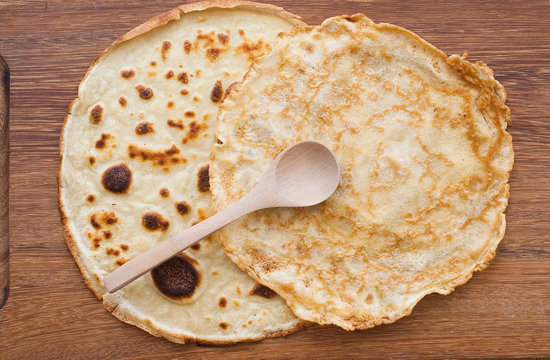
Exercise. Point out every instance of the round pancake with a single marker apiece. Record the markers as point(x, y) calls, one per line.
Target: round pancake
point(425, 159)
point(135, 152)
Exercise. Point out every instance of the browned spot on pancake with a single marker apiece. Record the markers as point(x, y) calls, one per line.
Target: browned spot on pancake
point(94, 222)
point(170, 104)
point(97, 242)
point(127, 74)
point(241, 32)
point(144, 92)
point(116, 252)
point(151, 73)
point(192, 133)
point(161, 157)
point(222, 302)
point(122, 101)
point(224, 325)
point(153, 221)
point(183, 207)
point(196, 98)
point(236, 303)
point(124, 247)
point(173, 123)
point(198, 72)
point(178, 277)
point(109, 218)
point(90, 198)
point(164, 192)
point(144, 127)
point(223, 38)
point(184, 92)
point(215, 273)
point(213, 53)
point(263, 291)
point(107, 234)
point(369, 299)
point(203, 183)
point(96, 114)
point(166, 45)
point(117, 178)
point(189, 114)
point(121, 262)
point(196, 246)
point(182, 76)
point(217, 92)
point(153, 63)
point(201, 19)
point(253, 49)
point(308, 47)
point(91, 160)
point(187, 46)
point(100, 144)
point(169, 74)
point(109, 251)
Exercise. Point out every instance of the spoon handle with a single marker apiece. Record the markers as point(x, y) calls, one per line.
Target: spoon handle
point(158, 254)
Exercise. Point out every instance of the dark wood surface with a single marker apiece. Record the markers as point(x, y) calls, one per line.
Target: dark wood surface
point(4, 181)
point(502, 312)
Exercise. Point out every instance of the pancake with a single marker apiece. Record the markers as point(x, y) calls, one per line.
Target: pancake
point(135, 153)
point(421, 140)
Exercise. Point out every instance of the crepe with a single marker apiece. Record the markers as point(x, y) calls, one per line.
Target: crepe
point(425, 159)
point(135, 153)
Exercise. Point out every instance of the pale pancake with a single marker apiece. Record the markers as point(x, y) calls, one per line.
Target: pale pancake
point(135, 151)
point(425, 161)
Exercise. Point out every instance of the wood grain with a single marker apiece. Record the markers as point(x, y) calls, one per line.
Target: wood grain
point(502, 312)
point(4, 181)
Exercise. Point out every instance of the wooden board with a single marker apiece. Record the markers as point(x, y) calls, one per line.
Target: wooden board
point(502, 312)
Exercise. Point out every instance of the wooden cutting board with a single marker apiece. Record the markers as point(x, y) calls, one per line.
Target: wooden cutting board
point(502, 312)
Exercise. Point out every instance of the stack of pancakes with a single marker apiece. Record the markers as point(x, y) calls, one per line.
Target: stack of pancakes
point(179, 118)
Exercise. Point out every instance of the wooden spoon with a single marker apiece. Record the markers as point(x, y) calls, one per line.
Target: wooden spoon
point(304, 174)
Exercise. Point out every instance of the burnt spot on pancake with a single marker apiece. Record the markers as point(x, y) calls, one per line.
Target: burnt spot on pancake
point(190, 114)
point(105, 218)
point(183, 207)
point(183, 77)
point(184, 92)
point(109, 251)
point(107, 234)
point(96, 114)
point(192, 133)
point(162, 157)
point(213, 53)
point(91, 160)
point(124, 247)
point(166, 45)
point(128, 74)
point(153, 63)
point(222, 302)
point(117, 178)
point(154, 221)
point(100, 144)
point(170, 104)
point(187, 46)
point(217, 92)
point(90, 198)
point(223, 38)
point(164, 192)
point(177, 278)
point(169, 74)
point(224, 325)
point(144, 92)
point(121, 262)
point(122, 101)
point(196, 246)
point(175, 124)
point(144, 127)
point(203, 179)
point(263, 291)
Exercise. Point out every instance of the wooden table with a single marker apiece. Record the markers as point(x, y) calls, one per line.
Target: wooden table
point(502, 312)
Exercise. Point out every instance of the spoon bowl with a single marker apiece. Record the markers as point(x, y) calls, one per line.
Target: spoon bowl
point(305, 174)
